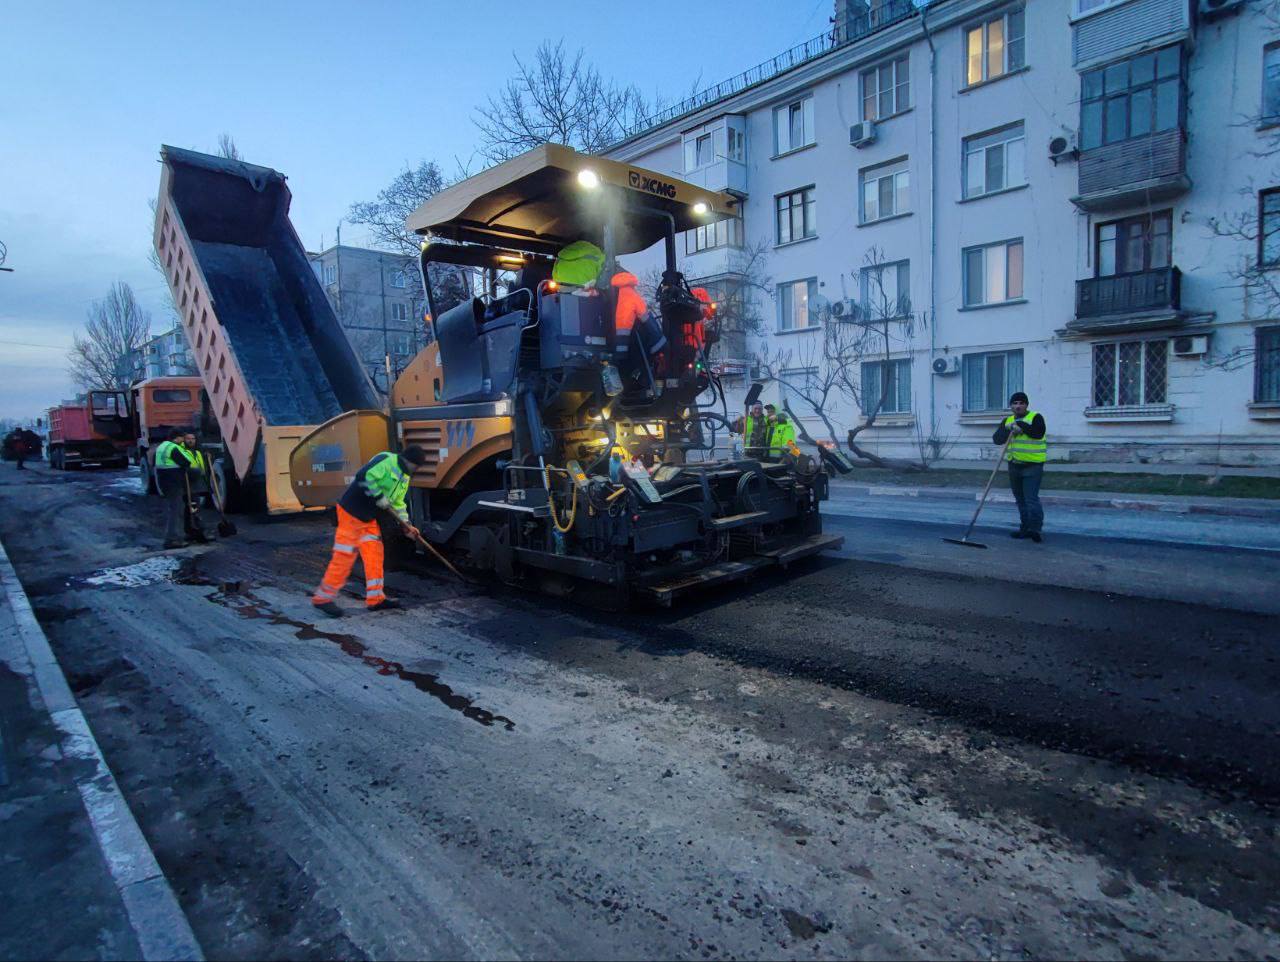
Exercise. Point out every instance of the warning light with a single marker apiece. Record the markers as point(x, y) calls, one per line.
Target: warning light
point(552, 286)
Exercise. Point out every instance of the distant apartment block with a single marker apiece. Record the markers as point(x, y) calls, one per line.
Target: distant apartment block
point(1043, 193)
point(165, 355)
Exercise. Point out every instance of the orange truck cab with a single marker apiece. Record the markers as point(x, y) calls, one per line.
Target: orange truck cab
point(161, 404)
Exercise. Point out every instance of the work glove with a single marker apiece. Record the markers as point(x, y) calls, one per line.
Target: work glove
point(384, 504)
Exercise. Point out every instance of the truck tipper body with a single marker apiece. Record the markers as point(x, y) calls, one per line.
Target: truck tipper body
point(95, 431)
point(268, 347)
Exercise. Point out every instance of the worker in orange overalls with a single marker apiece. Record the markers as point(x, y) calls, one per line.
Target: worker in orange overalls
point(380, 485)
point(695, 335)
point(631, 306)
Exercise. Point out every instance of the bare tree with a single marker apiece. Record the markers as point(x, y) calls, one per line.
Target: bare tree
point(557, 98)
point(1258, 238)
point(829, 369)
point(227, 147)
point(117, 326)
point(385, 216)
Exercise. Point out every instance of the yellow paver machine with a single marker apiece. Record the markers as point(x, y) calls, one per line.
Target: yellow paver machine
point(571, 424)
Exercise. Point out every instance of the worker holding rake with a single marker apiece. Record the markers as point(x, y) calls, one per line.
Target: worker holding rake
point(1024, 429)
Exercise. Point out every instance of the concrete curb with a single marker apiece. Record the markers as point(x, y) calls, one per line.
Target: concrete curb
point(159, 925)
point(1101, 499)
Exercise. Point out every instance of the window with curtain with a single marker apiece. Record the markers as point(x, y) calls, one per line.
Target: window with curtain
point(793, 125)
point(990, 378)
point(885, 191)
point(885, 290)
point(897, 393)
point(794, 298)
point(995, 160)
point(1134, 244)
point(1131, 98)
point(796, 216)
point(995, 47)
point(1130, 373)
point(886, 89)
point(993, 273)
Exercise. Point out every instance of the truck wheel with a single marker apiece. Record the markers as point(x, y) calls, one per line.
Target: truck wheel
point(147, 475)
point(235, 497)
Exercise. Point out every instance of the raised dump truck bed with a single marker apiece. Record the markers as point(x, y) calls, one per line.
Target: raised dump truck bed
point(267, 344)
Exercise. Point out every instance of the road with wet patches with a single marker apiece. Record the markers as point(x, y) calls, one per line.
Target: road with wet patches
point(902, 757)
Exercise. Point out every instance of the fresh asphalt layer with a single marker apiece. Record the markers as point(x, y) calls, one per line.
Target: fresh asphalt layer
point(927, 754)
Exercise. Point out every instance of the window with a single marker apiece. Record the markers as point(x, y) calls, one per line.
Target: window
point(796, 219)
point(793, 304)
point(793, 125)
point(989, 379)
point(1267, 364)
point(995, 47)
point(994, 161)
point(698, 152)
point(1134, 244)
point(1088, 6)
point(993, 274)
point(886, 191)
point(896, 394)
point(401, 344)
point(171, 395)
point(723, 233)
point(1131, 98)
point(886, 89)
point(1128, 373)
point(399, 311)
point(330, 273)
point(398, 279)
point(737, 149)
point(885, 291)
point(1271, 84)
point(795, 382)
point(1269, 228)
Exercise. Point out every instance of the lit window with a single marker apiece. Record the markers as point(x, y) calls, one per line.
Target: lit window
point(993, 273)
point(1130, 373)
point(994, 161)
point(793, 125)
point(885, 191)
point(1131, 98)
point(886, 387)
point(793, 304)
point(796, 216)
point(886, 89)
point(995, 47)
point(990, 378)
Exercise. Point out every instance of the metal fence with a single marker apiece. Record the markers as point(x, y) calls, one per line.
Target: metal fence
point(879, 16)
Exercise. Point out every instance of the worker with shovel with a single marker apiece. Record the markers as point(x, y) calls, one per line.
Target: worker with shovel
point(381, 485)
point(1024, 430)
point(172, 464)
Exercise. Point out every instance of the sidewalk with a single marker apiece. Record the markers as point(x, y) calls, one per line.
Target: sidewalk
point(1257, 508)
point(80, 880)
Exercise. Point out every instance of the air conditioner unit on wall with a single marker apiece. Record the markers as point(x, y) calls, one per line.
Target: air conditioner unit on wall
point(946, 365)
point(844, 310)
point(1209, 9)
point(860, 135)
point(1191, 345)
point(1063, 147)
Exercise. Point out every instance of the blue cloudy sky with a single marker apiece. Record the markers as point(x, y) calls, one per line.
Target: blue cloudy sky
point(338, 95)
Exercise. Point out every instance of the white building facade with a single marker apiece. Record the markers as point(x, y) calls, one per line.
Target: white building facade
point(165, 355)
point(1067, 197)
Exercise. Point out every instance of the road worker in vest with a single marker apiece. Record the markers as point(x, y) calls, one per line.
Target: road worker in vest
point(172, 465)
point(755, 431)
point(381, 485)
point(1024, 429)
point(782, 436)
point(198, 483)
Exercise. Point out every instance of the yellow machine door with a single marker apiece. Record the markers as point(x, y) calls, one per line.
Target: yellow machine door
point(326, 460)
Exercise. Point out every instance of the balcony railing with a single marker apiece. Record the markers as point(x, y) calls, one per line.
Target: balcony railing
point(1144, 169)
point(1157, 290)
point(879, 15)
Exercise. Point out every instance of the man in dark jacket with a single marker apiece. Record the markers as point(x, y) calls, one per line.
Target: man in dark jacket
point(1024, 429)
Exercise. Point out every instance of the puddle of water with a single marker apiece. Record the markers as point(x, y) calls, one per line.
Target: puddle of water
point(234, 595)
point(150, 571)
point(129, 485)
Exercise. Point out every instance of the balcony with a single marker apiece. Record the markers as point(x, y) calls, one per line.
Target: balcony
point(1128, 302)
point(723, 174)
point(1142, 170)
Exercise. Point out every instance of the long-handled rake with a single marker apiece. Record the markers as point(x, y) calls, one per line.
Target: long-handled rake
point(982, 501)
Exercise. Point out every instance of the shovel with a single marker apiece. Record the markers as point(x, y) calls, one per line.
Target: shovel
point(982, 501)
point(225, 528)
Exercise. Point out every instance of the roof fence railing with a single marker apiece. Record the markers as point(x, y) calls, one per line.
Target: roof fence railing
point(878, 15)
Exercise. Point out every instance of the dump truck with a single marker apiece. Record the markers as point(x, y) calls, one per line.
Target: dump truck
point(268, 347)
point(95, 431)
point(571, 439)
point(160, 405)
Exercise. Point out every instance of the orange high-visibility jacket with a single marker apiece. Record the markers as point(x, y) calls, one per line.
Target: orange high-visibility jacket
point(631, 306)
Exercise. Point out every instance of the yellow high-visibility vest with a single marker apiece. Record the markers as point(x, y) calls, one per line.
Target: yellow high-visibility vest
point(1023, 447)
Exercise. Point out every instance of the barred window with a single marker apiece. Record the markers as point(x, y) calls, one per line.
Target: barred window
point(1130, 373)
point(1267, 365)
point(896, 394)
point(989, 379)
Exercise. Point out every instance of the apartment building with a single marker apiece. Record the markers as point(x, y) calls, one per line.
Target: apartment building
point(165, 355)
point(377, 298)
point(1075, 198)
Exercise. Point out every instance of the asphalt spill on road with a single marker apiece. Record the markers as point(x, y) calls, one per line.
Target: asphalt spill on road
point(235, 596)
